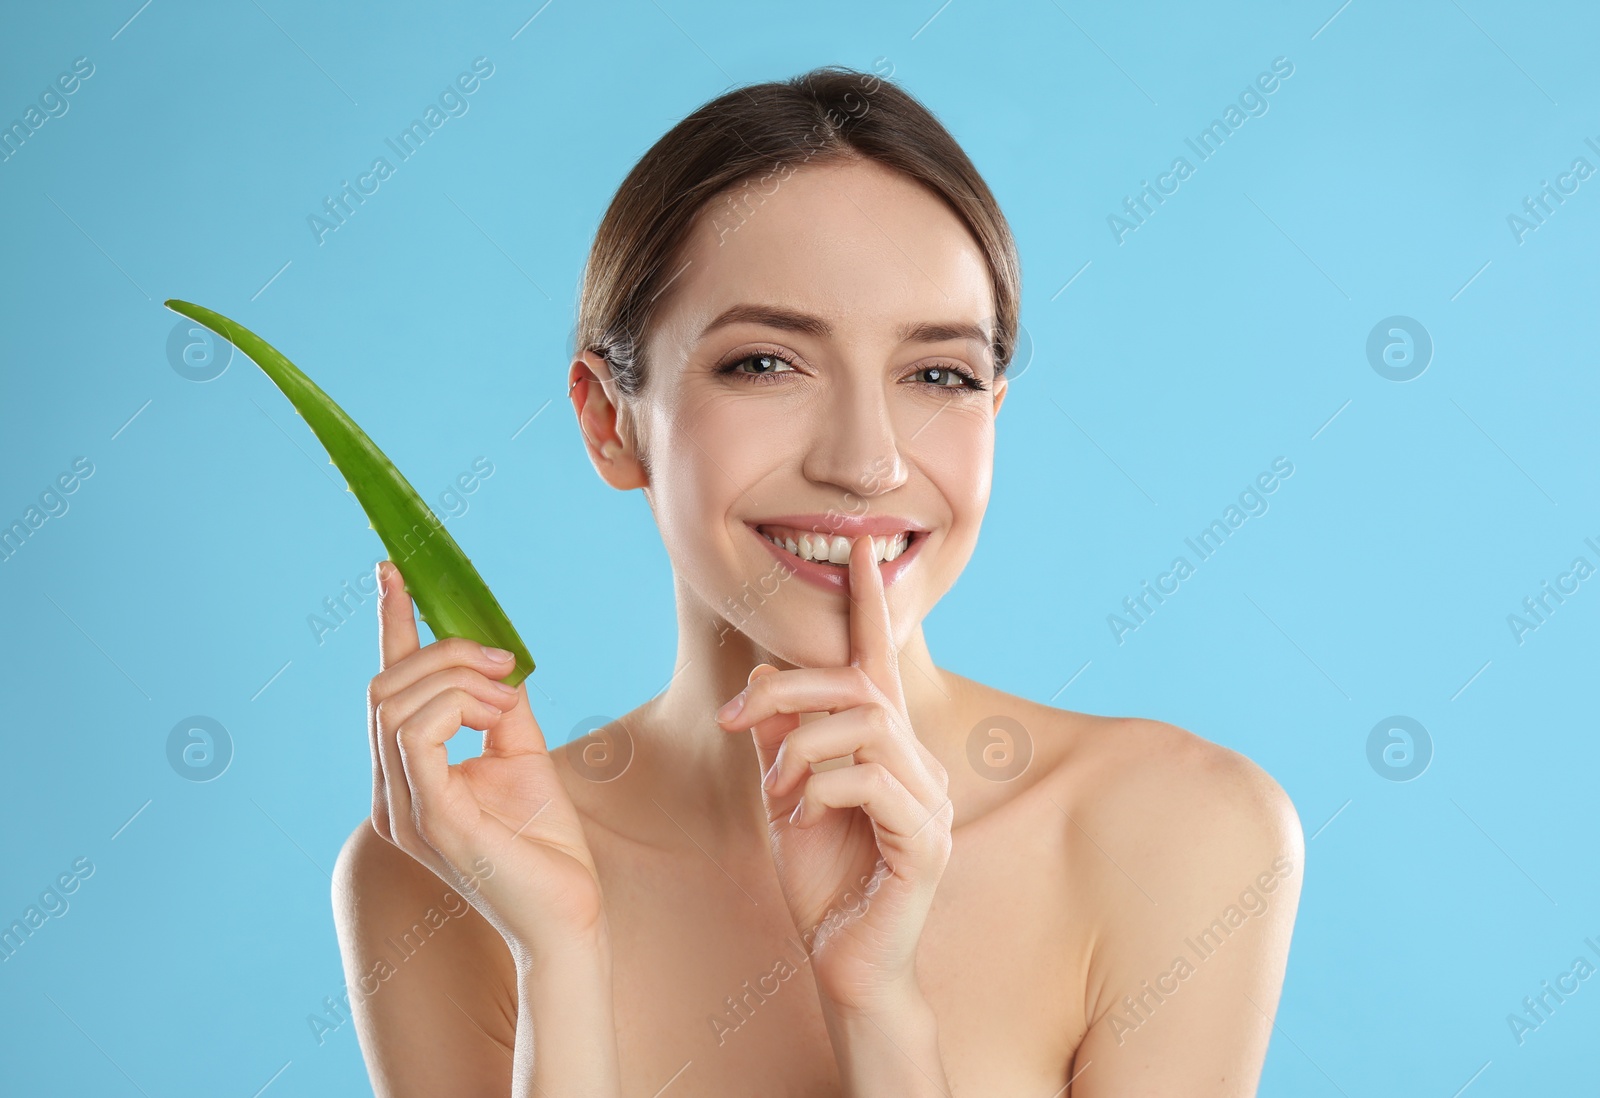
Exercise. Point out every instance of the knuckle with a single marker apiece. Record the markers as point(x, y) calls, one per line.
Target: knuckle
point(786, 751)
point(758, 691)
point(465, 677)
point(464, 700)
point(864, 683)
point(381, 713)
point(879, 719)
point(460, 649)
point(412, 741)
point(880, 776)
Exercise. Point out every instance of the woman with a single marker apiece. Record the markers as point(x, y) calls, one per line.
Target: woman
point(864, 874)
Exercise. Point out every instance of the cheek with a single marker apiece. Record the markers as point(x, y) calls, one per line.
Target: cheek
point(956, 453)
point(704, 464)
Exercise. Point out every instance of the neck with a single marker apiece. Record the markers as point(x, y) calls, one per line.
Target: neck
point(694, 762)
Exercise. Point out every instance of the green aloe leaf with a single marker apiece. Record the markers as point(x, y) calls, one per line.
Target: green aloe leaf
point(449, 593)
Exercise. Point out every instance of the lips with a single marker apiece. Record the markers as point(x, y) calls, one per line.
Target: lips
point(836, 577)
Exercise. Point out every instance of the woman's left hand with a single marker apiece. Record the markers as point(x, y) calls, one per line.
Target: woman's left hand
point(860, 848)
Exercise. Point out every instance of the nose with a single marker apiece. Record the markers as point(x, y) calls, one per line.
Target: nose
point(855, 446)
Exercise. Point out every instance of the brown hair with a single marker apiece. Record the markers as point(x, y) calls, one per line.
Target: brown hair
point(829, 114)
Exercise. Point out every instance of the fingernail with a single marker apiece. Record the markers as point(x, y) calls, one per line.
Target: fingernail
point(732, 708)
point(499, 655)
point(799, 810)
point(771, 778)
point(383, 578)
point(503, 689)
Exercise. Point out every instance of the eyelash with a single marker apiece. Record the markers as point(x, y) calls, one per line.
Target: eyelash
point(968, 380)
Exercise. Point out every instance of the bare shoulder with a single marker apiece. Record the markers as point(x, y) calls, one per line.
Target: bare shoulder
point(379, 888)
point(411, 945)
point(1158, 789)
point(1161, 780)
point(1191, 814)
point(1153, 808)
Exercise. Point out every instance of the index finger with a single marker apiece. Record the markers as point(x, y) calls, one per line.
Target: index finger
point(871, 631)
point(397, 624)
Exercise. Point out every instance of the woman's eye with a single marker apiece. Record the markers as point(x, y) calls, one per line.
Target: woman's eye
point(945, 377)
point(766, 364)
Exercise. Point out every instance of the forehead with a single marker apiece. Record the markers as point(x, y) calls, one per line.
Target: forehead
point(857, 242)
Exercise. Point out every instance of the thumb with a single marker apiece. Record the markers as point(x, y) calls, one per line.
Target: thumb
point(516, 731)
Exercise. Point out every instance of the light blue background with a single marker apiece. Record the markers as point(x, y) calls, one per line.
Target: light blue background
point(1227, 331)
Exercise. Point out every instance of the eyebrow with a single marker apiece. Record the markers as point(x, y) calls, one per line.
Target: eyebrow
point(790, 320)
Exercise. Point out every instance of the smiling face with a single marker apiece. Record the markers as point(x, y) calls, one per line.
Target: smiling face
point(813, 370)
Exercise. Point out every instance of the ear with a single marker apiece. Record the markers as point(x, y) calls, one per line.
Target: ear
point(1000, 393)
point(594, 395)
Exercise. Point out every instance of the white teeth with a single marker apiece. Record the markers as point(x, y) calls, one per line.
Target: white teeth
point(836, 549)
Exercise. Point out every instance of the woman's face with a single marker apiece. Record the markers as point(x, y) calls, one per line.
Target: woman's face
point(808, 373)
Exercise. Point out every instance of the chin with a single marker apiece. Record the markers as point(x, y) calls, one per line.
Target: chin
point(790, 650)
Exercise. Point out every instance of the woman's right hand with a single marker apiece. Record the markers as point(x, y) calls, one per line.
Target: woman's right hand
point(499, 827)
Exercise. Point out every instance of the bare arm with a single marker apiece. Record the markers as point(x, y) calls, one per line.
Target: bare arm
point(433, 1005)
point(439, 1003)
point(1185, 981)
point(455, 856)
point(891, 1052)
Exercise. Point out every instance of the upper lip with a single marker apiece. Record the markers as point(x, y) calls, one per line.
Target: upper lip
point(848, 526)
